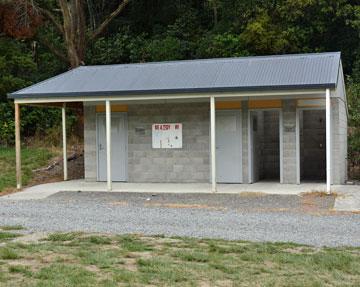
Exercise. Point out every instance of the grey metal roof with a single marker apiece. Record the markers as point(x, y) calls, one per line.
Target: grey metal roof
point(213, 75)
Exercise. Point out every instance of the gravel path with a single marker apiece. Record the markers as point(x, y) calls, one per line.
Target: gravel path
point(257, 218)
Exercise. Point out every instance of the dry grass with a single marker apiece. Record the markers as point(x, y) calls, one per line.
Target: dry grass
point(77, 259)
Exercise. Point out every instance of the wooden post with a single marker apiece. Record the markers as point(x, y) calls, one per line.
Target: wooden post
point(63, 110)
point(108, 145)
point(17, 146)
point(328, 141)
point(213, 144)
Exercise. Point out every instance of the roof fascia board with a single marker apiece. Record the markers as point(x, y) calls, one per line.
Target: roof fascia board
point(288, 93)
point(175, 91)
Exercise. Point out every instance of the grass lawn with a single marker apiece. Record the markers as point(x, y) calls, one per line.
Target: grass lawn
point(31, 158)
point(77, 259)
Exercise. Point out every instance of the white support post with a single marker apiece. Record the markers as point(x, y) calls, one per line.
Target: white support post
point(108, 145)
point(328, 142)
point(250, 148)
point(213, 144)
point(17, 146)
point(297, 145)
point(281, 145)
point(63, 112)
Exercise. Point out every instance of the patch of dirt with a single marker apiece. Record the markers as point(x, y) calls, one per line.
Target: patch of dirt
point(119, 203)
point(252, 194)
point(180, 205)
point(218, 283)
point(317, 202)
point(92, 268)
point(32, 237)
point(130, 264)
point(54, 171)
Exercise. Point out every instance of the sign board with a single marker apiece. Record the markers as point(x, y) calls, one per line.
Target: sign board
point(167, 135)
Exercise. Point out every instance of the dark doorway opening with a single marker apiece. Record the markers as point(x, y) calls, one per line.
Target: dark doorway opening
point(312, 145)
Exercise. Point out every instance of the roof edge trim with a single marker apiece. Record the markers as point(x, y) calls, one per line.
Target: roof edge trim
point(172, 91)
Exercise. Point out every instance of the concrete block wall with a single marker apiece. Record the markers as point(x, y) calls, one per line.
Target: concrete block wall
point(192, 162)
point(289, 141)
point(339, 141)
point(90, 143)
point(339, 131)
point(245, 139)
point(189, 164)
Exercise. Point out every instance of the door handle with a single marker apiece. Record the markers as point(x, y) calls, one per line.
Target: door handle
point(100, 147)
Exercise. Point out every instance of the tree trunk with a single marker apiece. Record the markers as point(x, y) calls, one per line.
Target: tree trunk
point(74, 30)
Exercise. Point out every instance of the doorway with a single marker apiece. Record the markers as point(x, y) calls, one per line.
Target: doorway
point(264, 145)
point(312, 145)
point(119, 142)
point(228, 147)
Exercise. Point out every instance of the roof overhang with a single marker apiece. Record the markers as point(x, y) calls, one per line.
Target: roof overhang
point(183, 92)
point(96, 97)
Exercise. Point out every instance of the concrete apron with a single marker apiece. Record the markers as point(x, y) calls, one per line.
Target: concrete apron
point(45, 190)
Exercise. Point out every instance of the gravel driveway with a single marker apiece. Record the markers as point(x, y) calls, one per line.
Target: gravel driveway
point(307, 220)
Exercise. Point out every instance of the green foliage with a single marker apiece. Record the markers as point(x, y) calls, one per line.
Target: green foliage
point(16, 66)
point(158, 30)
point(353, 98)
point(32, 158)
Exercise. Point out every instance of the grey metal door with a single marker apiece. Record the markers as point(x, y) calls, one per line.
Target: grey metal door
point(119, 142)
point(228, 147)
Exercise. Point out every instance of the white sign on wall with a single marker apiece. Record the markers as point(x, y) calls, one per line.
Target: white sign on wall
point(167, 135)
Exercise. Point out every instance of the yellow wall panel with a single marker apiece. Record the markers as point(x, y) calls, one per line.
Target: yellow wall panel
point(264, 104)
point(228, 105)
point(114, 108)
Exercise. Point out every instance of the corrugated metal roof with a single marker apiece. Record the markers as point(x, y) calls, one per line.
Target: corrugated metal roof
point(215, 75)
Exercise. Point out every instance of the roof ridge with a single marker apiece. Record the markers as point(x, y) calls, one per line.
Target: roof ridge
point(228, 59)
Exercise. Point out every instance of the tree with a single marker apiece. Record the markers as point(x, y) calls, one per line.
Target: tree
point(71, 24)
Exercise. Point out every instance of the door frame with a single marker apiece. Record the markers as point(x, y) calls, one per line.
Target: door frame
point(113, 115)
point(238, 113)
point(297, 138)
point(250, 142)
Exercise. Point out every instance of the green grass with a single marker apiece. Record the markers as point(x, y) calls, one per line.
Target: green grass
point(8, 253)
point(12, 227)
point(63, 236)
point(5, 236)
point(78, 259)
point(31, 158)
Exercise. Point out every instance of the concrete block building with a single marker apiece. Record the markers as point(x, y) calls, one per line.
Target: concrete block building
point(234, 120)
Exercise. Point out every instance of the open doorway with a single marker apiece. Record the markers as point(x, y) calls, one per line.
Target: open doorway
point(312, 145)
point(264, 145)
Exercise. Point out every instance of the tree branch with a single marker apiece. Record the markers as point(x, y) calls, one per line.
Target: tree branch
point(54, 50)
point(108, 19)
point(52, 18)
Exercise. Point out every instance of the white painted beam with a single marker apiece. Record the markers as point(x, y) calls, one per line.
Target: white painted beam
point(213, 143)
point(328, 142)
point(108, 145)
point(63, 112)
point(17, 146)
point(277, 94)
